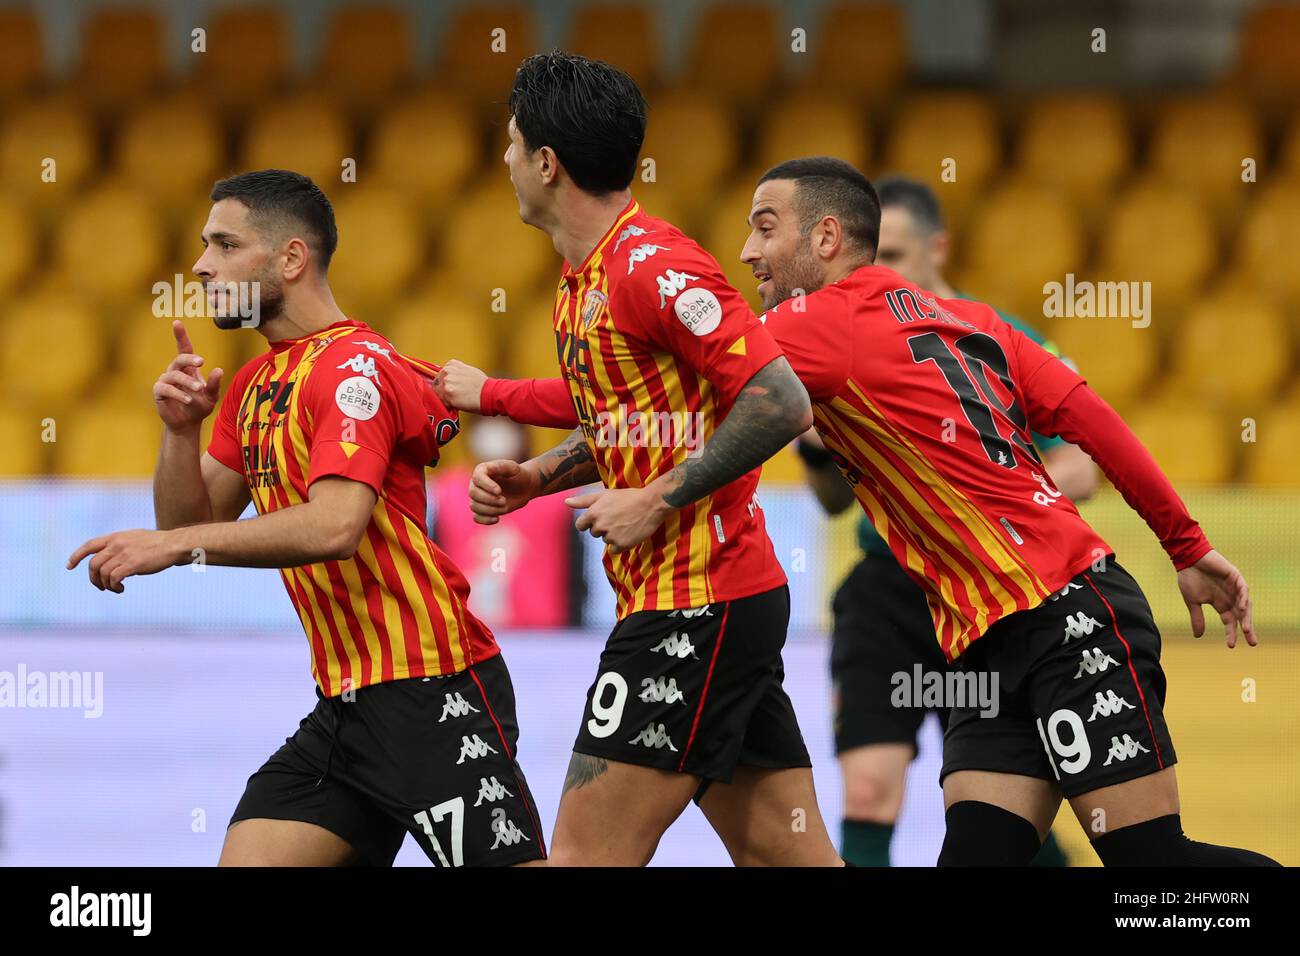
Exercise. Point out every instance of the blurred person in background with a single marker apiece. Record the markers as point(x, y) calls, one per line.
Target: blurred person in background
point(328, 433)
point(882, 625)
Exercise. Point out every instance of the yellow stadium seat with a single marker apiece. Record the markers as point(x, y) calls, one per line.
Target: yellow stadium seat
point(859, 50)
point(623, 35)
point(438, 328)
point(52, 347)
point(1079, 143)
point(1192, 443)
point(1119, 361)
point(428, 146)
point(530, 346)
point(481, 50)
point(817, 124)
point(47, 150)
point(486, 246)
point(692, 142)
point(22, 51)
point(948, 141)
point(381, 244)
point(1233, 349)
point(22, 435)
point(304, 133)
point(110, 243)
point(170, 148)
point(735, 53)
point(1022, 237)
point(122, 54)
point(1272, 460)
point(1160, 235)
point(1264, 248)
point(109, 440)
point(725, 237)
point(1200, 144)
point(18, 250)
point(367, 53)
point(247, 54)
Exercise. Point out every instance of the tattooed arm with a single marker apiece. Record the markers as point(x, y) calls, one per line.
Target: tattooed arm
point(770, 411)
point(500, 487)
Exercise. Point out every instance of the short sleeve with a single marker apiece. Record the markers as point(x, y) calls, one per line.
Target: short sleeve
point(224, 445)
point(355, 402)
point(816, 334)
point(679, 301)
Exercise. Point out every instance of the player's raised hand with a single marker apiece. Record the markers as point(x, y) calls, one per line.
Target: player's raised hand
point(1214, 580)
point(460, 386)
point(182, 396)
point(499, 487)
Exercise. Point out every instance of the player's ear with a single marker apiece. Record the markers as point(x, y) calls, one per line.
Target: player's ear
point(548, 165)
point(296, 258)
point(827, 238)
point(940, 249)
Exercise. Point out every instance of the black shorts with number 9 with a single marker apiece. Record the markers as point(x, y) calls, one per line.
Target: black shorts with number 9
point(696, 690)
point(1080, 690)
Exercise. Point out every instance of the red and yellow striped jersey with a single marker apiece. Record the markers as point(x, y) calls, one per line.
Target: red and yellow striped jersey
point(345, 402)
point(926, 405)
point(655, 347)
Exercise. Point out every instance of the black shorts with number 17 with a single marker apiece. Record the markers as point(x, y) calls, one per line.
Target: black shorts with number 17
point(696, 690)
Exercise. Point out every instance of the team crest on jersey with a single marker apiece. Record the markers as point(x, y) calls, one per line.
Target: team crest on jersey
point(591, 307)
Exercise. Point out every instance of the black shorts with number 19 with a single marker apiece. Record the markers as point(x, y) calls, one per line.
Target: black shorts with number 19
point(696, 690)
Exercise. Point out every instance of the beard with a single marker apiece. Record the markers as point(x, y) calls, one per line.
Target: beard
point(802, 276)
point(264, 302)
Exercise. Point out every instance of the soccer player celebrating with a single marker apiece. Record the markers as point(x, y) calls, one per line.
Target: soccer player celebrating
point(328, 433)
point(927, 404)
point(882, 623)
point(680, 394)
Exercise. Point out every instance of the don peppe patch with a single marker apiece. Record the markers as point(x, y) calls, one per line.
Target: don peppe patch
point(357, 397)
point(699, 310)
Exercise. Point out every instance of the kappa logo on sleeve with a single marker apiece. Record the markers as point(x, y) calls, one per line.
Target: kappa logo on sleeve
point(672, 282)
point(362, 365)
point(641, 254)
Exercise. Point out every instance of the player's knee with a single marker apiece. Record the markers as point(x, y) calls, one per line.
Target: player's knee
point(1161, 842)
point(981, 834)
point(872, 796)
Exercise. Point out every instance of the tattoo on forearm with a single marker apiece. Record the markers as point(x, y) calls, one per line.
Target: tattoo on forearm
point(770, 411)
point(568, 465)
point(582, 770)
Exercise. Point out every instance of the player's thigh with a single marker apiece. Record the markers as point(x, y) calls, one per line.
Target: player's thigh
point(1031, 798)
point(769, 817)
point(1124, 804)
point(438, 756)
point(264, 842)
point(875, 777)
point(614, 813)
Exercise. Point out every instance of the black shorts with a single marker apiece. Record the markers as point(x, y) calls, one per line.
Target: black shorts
point(1079, 688)
point(696, 690)
point(883, 628)
point(432, 756)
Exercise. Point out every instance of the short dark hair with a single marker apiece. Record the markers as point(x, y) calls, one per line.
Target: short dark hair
point(279, 199)
point(825, 186)
point(916, 197)
point(592, 114)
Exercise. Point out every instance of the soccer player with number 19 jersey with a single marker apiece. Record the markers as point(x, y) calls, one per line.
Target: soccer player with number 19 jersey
point(927, 405)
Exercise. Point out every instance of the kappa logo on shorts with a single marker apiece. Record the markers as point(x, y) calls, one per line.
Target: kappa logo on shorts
point(491, 790)
point(1079, 625)
point(1123, 750)
point(677, 644)
point(661, 691)
point(1108, 705)
point(1094, 661)
point(1072, 586)
point(456, 706)
point(507, 833)
point(473, 749)
point(655, 737)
